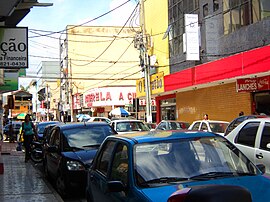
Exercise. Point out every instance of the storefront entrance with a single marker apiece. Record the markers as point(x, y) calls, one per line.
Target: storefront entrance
point(168, 109)
point(262, 102)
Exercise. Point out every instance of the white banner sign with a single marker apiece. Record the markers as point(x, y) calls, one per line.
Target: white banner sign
point(192, 37)
point(110, 96)
point(13, 47)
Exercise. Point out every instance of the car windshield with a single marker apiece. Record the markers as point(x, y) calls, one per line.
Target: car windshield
point(190, 159)
point(87, 136)
point(131, 126)
point(218, 127)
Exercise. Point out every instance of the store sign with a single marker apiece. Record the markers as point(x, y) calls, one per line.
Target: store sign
point(253, 84)
point(13, 47)
point(109, 96)
point(156, 82)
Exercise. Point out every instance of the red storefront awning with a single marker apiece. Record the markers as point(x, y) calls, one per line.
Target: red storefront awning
point(242, 64)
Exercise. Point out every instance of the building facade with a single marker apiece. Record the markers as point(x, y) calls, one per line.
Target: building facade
point(94, 57)
point(233, 55)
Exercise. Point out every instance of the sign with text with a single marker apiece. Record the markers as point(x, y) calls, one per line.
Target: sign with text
point(156, 82)
point(192, 37)
point(253, 84)
point(13, 47)
point(110, 96)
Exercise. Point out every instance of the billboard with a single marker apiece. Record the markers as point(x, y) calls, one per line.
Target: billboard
point(13, 47)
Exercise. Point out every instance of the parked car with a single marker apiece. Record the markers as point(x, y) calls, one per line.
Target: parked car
point(128, 126)
point(172, 125)
point(41, 126)
point(47, 131)
point(151, 126)
point(70, 151)
point(252, 137)
point(151, 166)
point(104, 119)
point(218, 127)
point(16, 130)
point(234, 123)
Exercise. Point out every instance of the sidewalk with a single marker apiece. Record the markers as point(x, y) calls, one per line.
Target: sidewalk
point(21, 181)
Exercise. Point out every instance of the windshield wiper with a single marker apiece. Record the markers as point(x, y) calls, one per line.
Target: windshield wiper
point(92, 145)
point(212, 175)
point(74, 148)
point(165, 180)
point(245, 174)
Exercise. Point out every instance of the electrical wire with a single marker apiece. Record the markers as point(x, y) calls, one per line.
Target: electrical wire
point(104, 14)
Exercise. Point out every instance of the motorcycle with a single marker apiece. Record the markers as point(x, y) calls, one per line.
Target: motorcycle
point(36, 152)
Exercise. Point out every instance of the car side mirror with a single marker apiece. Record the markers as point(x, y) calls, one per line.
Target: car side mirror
point(115, 186)
point(261, 167)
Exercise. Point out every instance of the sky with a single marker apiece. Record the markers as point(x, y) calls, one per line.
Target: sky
point(42, 20)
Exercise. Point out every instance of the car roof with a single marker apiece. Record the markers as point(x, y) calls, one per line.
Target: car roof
point(211, 121)
point(48, 122)
point(152, 136)
point(80, 125)
point(127, 120)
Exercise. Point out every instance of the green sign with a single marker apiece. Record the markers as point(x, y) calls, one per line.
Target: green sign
point(10, 82)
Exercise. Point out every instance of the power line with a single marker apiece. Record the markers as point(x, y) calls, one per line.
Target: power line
point(58, 32)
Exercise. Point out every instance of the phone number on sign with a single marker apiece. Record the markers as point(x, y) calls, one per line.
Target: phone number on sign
point(8, 64)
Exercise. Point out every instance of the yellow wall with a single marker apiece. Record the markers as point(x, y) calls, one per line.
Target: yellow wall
point(156, 23)
point(89, 61)
point(219, 102)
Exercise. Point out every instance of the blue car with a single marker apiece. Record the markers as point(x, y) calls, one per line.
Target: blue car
point(70, 151)
point(174, 166)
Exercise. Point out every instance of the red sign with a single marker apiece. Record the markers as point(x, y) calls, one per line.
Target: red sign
point(253, 84)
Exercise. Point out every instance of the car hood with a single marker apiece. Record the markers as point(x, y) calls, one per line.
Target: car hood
point(257, 185)
point(84, 156)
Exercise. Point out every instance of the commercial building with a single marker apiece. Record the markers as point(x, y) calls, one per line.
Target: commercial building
point(95, 57)
point(231, 73)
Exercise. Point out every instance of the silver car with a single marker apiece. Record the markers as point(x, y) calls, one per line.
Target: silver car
point(128, 126)
point(252, 137)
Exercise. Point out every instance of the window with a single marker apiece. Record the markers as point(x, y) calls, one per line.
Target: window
point(177, 10)
point(247, 134)
point(238, 13)
point(215, 5)
point(196, 126)
point(120, 164)
point(204, 127)
point(265, 139)
point(105, 157)
point(205, 10)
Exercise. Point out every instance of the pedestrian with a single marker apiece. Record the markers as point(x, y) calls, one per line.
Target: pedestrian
point(28, 132)
point(11, 133)
point(205, 117)
point(241, 113)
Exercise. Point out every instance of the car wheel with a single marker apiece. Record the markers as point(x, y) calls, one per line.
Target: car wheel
point(61, 186)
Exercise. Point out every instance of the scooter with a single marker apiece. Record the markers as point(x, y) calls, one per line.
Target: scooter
point(36, 152)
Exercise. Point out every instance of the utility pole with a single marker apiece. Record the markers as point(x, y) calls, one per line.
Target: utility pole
point(47, 101)
point(145, 65)
point(70, 90)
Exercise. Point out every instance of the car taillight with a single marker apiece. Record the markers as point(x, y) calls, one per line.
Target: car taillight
point(179, 196)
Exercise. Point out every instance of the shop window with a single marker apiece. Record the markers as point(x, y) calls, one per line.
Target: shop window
point(265, 8)
point(205, 10)
point(215, 5)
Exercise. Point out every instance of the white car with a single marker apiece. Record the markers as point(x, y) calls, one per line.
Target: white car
point(214, 126)
point(104, 119)
point(128, 126)
point(252, 137)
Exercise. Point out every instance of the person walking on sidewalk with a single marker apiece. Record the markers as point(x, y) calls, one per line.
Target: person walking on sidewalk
point(28, 132)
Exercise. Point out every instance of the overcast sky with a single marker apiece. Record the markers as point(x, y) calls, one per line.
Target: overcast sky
point(57, 17)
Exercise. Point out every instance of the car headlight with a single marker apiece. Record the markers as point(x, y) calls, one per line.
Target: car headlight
point(74, 165)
